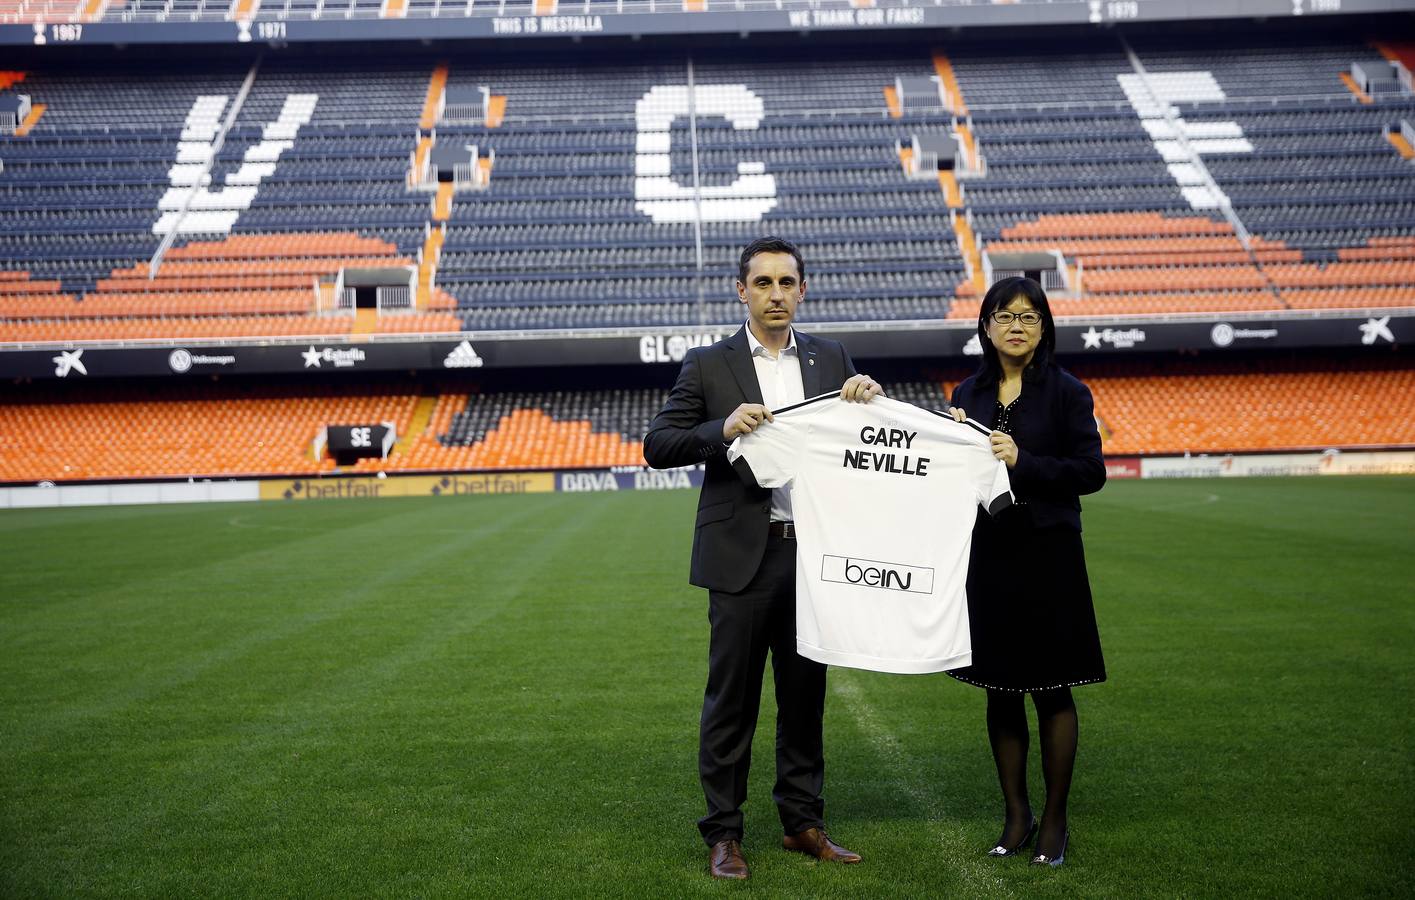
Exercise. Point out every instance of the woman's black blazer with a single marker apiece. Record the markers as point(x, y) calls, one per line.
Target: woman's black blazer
point(1058, 444)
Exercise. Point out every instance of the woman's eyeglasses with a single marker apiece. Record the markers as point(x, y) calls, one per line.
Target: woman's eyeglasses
point(1028, 319)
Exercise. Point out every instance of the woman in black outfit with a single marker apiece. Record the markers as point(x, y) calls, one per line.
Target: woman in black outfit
point(1029, 598)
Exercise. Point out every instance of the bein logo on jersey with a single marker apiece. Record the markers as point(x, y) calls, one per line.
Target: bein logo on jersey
point(877, 574)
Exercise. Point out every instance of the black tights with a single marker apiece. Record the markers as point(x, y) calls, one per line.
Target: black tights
point(1007, 732)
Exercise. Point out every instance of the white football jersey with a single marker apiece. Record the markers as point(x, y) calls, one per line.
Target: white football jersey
point(884, 495)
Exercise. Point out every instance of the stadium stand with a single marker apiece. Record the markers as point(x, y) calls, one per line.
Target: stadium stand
point(581, 214)
point(41, 10)
point(1162, 407)
point(327, 10)
point(94, 188)
point(1098, 169)
point(560, 429)
point(180, 434)
point(1244, 178)
point(1208, 408)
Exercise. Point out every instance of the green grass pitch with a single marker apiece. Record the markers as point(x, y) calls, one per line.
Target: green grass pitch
point(499, 697)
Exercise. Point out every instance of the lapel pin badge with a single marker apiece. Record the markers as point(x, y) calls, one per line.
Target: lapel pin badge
point(811, 361)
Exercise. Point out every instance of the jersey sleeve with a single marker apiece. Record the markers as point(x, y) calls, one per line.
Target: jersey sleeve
point(770, 452)
point(993, 485)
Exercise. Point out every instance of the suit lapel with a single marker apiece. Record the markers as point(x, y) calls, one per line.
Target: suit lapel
point(739, 362)
point(810, 366)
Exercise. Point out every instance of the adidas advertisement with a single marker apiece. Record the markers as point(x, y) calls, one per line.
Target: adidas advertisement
point(462, 356)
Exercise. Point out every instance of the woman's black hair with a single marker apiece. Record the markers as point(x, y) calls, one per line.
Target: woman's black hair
point(1003, 292)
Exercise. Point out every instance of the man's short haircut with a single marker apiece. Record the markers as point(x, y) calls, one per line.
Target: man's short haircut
point(769, 244)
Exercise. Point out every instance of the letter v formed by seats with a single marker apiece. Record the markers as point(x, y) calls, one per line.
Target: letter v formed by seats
point(215, 212)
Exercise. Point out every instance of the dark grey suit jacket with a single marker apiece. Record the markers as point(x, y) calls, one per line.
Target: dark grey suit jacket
point(731, 531)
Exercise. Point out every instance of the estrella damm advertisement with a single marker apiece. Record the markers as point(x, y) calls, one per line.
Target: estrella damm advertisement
point(460, 485)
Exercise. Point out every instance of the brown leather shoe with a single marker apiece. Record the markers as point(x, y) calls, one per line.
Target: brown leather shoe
point(725, 860)
point(815, 842)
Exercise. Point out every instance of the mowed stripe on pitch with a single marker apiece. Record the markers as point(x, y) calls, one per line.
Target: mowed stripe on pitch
point(185, 624)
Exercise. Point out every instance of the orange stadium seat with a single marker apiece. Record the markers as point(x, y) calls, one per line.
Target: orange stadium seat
point(180, 438)
point(1349, 298)
point(1345, 274)
point(1189, 264)
point(1161, 408)
point(23, 286)
point(188, 435)
point(1253, 411)
point(1116, 224)
point(168, 303)
point(528, 438)
point(254, 285)
point(277, 246)
point(138, 328)
point(417, 323)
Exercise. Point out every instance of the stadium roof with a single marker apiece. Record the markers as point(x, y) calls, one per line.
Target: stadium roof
point(324, 22)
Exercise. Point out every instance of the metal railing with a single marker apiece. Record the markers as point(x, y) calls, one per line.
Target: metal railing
point(200, 181)
point(84, 132)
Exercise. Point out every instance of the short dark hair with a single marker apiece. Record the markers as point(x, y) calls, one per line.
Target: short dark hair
point(1003, 292)
point(769, 244)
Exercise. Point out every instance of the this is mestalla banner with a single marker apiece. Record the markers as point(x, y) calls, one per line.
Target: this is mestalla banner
point(578, 22)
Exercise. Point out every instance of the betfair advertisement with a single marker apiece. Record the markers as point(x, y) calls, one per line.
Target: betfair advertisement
point(408, 486)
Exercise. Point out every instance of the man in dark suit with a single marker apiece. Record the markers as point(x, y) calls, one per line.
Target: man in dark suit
point(744, 553)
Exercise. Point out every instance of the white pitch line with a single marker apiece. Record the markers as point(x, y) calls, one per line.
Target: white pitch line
point(983, 879)
point(1206, 500)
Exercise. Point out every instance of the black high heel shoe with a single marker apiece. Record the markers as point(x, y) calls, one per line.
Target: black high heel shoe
point(1026, 842)
point(1041, 859)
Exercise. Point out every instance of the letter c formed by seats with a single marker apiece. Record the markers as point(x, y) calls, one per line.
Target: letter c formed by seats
point(660, 196)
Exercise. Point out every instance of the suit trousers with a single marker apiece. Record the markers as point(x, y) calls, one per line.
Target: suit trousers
point(745, 626)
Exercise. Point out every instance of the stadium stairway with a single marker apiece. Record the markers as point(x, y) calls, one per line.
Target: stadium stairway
point(417, 425)
point(436, 86)
point(36, 112)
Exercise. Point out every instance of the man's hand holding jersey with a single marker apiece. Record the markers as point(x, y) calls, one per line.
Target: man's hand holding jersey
point(744, 420)
point(860, 389)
